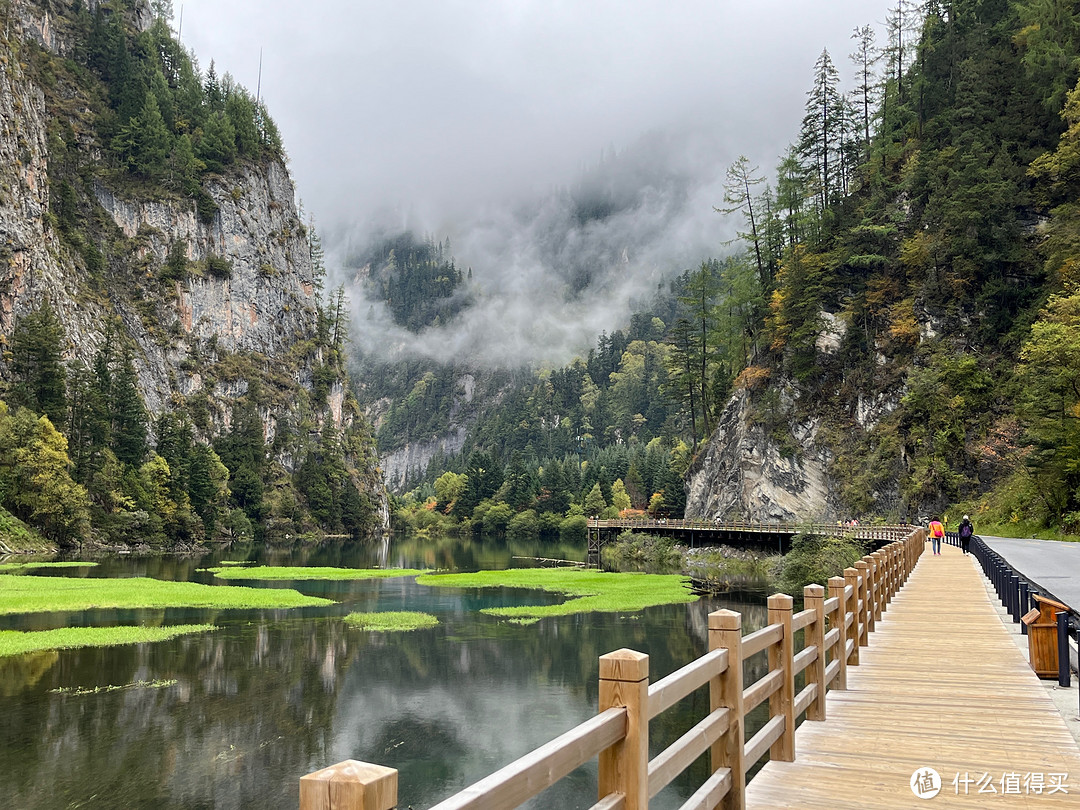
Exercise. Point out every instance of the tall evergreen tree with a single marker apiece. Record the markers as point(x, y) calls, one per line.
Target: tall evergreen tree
point(821, 127)
point(36, 361)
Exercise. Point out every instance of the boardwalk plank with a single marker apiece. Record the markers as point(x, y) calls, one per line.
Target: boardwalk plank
point(941, 685)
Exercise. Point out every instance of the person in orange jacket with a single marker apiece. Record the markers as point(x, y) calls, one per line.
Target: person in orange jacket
point(937, 532)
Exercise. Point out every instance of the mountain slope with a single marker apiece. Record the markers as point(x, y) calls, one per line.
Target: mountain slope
point(147, 205)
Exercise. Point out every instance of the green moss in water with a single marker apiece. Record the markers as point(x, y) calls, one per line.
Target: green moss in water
point(30, 594)
point(590, 590)
point(10, 567)
point(161, 683)
point(273, 572)
point(302, 572)
point(17, 642)
point(392, 621)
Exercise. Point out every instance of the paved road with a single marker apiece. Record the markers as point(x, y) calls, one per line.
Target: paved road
point(1053, 565)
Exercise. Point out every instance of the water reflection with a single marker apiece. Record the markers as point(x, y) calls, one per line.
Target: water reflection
point(273, 695)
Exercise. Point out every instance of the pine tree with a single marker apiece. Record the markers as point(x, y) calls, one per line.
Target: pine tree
point(741, 178)
point(129, 417)
point(36, 349)
point(819, 138)
point(865, 58)
point(218, 145)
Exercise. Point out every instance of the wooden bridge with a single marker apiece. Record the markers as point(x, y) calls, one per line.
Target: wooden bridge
point(772, 536)
point(906, 668)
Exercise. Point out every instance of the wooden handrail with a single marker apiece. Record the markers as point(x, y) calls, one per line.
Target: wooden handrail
point(762, 689)
point(668, 691)
point(678, 756)
point(525, 777)
point(618, 734)
point(762, 639)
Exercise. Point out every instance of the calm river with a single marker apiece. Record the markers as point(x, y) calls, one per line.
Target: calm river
point(273, 695)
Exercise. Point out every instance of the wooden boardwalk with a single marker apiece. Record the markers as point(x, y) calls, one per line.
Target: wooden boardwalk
point(941, 685)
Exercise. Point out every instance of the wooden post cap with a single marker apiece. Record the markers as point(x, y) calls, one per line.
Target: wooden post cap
point(624, 665)
point(837, 582)
point(813, 591)
point(725, 620)
point(350, 785)
point(780, 601)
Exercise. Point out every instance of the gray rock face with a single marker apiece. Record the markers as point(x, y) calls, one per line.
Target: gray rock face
point(742, 474)
point(262, 307)
point(267, 302)
point(266, 305)
point(414, 457)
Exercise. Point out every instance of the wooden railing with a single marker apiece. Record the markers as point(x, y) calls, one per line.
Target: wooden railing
point(861, 532)
point(833, 628)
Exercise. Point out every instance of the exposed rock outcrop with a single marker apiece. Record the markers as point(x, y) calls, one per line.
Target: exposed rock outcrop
point(742, 473)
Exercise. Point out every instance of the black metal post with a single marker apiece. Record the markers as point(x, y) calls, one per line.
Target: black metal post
point(1025, 602)
point(1064, 670)
point(1014, 596)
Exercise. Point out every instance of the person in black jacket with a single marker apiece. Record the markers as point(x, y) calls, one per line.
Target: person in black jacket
point(966, 530)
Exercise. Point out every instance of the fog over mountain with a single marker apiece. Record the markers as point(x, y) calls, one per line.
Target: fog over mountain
point(545, 139)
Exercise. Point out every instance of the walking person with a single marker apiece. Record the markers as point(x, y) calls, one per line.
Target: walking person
point(937, 531)
point(966, 530)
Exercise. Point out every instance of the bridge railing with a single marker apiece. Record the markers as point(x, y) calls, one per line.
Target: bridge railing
point(862, 532)
point(833, 629)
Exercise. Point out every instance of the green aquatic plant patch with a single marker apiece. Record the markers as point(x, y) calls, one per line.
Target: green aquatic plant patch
point(395, 621)
point(17, 642)
point(7, 567)
point(589, 590)
point(300, 572)
point(161, 683)
point(30, 594)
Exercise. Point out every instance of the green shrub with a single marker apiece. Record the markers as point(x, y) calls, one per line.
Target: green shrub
point(814, 558)
point(573, 529)
point(549, 523)
point(218, 266)
point(523, 526)
point(497, 517)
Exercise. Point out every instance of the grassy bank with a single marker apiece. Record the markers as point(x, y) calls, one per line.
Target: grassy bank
point(300, 572)
point(397, 621)
point(17, 536)
point(17, 642)
point(30, 594)
point(588, 590)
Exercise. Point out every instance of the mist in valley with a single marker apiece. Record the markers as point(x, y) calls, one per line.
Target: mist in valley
point(571, 153)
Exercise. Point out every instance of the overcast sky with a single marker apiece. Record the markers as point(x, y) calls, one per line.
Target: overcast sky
point(440, 109)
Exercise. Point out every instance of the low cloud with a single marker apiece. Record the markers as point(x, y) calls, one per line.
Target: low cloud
point(551, 273)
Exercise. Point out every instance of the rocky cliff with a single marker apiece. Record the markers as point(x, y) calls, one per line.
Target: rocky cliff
point(242, 308)
point(743, 474)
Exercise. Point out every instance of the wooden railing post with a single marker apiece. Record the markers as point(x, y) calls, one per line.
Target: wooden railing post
point(836, 589)
point(873, 582)
point(726, 691)
point(814, 599)
point(782, 701)
point(851, 578)
point(866, 615)
point(350, 785)
point(624, 767)
point(879, 587)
